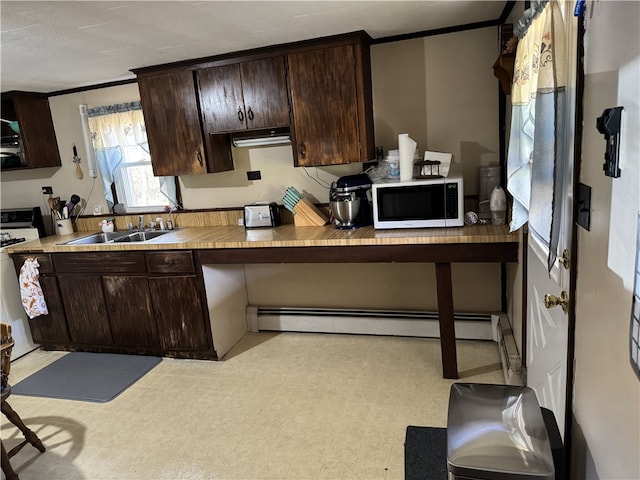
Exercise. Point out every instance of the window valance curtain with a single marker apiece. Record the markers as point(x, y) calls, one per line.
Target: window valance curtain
point(536, 158)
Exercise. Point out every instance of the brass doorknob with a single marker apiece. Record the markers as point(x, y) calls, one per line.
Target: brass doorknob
point(551, 301)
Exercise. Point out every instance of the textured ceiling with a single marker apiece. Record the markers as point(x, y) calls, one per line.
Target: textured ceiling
point(51, 46)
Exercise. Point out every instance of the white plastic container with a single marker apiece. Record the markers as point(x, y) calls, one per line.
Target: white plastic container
point(498, 206)
point(392, 161)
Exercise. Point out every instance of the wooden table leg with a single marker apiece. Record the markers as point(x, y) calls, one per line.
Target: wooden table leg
point(447, 326)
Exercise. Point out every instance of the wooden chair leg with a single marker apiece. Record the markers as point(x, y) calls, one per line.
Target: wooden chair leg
point(30, 437)
point(6, 466)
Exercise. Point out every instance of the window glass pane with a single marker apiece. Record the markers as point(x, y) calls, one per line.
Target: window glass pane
point(134, 154)
point(140, 188)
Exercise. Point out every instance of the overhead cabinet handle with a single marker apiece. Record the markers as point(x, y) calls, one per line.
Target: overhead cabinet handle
point(250, 114)
point(240, 114)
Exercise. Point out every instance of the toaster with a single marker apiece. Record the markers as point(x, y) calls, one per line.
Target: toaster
point(261, 214)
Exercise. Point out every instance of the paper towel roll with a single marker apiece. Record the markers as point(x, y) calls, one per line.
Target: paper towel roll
point(407, 147)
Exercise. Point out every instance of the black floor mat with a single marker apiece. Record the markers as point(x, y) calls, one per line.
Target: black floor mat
point(425, 453)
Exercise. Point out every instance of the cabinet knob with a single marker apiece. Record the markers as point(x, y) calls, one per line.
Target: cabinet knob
point(302, 150)
point(250, 114)
point(199, 157)
point(240, 114)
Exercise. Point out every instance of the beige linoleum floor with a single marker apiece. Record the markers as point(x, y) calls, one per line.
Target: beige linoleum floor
point(280, 406)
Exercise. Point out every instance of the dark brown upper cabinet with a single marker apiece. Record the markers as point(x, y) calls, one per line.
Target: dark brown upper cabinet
point(247, 95)
point(326, 126)
point(320, 89)
point(172, 121)
point(32, 138)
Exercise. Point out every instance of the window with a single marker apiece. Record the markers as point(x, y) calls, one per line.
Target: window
point(122, 156)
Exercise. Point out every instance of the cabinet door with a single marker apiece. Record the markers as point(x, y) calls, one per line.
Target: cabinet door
point(179, 315)
point(37, 135)
point(130, 311)
point(172, 121)
point(325, 108)
point(51, 328)
point(85, 308)
point(221, 99)
point(264, 84)
point(249, 95)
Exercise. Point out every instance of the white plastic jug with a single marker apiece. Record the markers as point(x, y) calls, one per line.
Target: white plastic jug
point(498, 206)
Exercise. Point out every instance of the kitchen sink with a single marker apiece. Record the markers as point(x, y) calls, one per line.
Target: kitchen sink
point(95, 238)
point(116, 237)
point(140, 236)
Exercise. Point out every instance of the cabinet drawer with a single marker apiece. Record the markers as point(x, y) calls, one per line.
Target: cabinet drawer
point(170, 262)
point(99, 262)
point(44, 260)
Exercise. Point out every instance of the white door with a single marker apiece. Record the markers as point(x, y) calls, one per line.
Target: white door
point(547, 326)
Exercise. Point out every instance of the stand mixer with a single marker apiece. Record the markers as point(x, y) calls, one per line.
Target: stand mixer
point(350, 202)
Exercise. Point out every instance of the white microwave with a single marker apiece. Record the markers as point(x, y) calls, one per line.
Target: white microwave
point(433, 202)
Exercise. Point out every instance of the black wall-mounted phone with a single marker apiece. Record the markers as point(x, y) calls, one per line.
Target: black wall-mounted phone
point(609, 125)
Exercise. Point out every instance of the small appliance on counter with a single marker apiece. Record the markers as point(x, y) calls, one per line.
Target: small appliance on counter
point(350, 201)
point(261, 214)
point(433, 202)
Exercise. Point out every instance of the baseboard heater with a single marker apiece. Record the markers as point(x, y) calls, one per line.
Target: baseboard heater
point(408, 323)
point(509, 356)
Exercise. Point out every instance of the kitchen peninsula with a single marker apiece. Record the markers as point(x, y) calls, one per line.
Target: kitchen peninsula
point(187, 253)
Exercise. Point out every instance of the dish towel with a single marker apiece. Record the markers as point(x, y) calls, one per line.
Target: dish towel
point(32, 298)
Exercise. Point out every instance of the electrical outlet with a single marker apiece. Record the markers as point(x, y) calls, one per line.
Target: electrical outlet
point(254, 175)
point(47, 191)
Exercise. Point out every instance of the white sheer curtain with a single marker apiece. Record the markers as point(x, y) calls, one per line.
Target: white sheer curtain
point(536, 157)
point(116, 127)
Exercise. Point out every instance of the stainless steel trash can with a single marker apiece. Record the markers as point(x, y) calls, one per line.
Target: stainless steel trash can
point(496, 432)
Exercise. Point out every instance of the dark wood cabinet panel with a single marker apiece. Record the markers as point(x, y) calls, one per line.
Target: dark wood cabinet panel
point(178, 311)
point(326, 125)
point(173, 126)
point(37, 136)
point(221, 99)
point(99, 262)
point(170, 262)
point(85, 309)
point(130, 311)
point(43, 259)
point(248, 95)
point(264, 83)
point(50, 328)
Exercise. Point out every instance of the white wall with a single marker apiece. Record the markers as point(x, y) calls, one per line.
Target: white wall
point(606, 403)
point(464, 120)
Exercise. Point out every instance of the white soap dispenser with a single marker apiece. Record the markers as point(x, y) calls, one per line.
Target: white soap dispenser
point(160, 223)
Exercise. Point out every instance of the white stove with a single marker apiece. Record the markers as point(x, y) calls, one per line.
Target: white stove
point(15, 228)
point(14, 236)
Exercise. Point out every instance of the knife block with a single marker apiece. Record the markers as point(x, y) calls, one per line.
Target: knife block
point(308, 215)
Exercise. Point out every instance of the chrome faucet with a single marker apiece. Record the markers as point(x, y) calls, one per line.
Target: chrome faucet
point(140, 223)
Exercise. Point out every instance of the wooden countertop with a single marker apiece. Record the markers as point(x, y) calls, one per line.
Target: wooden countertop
point(234, 237)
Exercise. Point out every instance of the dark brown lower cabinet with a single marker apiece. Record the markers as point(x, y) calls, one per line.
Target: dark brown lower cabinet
point(178, 312)
point(130, 310)
point(126, 302)
point(85, 309)
point(51, 328)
